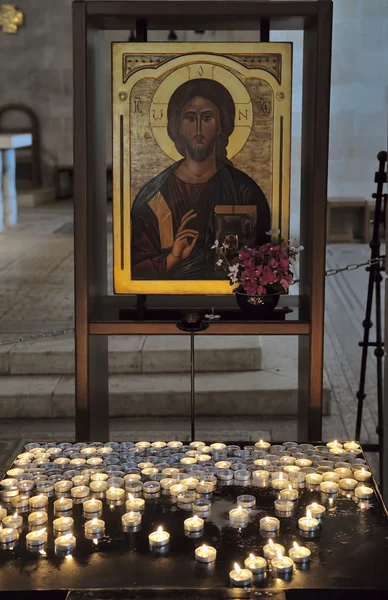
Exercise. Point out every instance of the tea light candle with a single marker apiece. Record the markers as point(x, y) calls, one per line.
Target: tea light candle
point(202, 506)
point(100, 487)
point(190, 482)
point(269, 524)
point(351, 446)
point(92, 506)
point(280, 483)
point(40, 501)
point(240, 577)
point(348, 483)
point(131, 520)
point(225, 475)
point(37, 518)
point(186, 497)
point(289, 469)
point(334, 444)
point(362, 475)
point(317, 510)
point(77, 462)
point(194, 524)
point(242, 476)
point(238, 516)
point(134, 504)
point(9, 484)
point(329, 487)
point(331, 476)
point(246, 501)
point(282, 565)
point(223, 464)
point(299, 554)
point(218, 446)
point(79, 480)
point(15, 473)
point(205, 487)
point(303, 462)
point(94, 527)
point(8, 535)
point(20, 502)
point(205, 554)
point(26, 486)
point(151, 487)
point(3, 513)
point(177, 488)
point(284, 506)
point(94, 461)
point(271, 550)
point(343, 472)
point(263, 445)
point(14, 521)
point(63, 505)
point(261, 476)
point(63, 524)
point(289, 494)
point(63, 487)
point(170, 471)
point(308, 523)
point(64, 544)
point(80, 491)
point(166, 483)
point(313, 479)
point(105, 476)
point(256, 564)
point(36, 538)
point(363, 492)
point(115, 494)
point(188, 460)
point(158, 539)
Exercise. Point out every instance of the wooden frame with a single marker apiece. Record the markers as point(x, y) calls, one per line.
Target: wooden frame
point(96, 313)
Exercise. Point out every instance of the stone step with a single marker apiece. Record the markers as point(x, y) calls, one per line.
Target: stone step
point(136, 354)
point(256, 393)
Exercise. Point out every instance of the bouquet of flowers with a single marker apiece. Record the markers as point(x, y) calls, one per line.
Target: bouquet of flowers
point(260, 270)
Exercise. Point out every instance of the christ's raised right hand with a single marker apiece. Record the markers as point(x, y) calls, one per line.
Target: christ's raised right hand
point(184, 242)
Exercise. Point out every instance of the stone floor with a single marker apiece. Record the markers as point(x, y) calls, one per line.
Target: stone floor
point(36, 294)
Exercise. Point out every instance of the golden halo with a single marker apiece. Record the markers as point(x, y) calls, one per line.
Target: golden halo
point(201, 70)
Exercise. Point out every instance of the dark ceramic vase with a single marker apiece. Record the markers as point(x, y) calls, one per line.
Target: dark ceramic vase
point(257, 307)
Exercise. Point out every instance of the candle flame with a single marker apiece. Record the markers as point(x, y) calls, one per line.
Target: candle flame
point(61, 501)
point(279, 553)
point(131, 514)
point(160, 529)
point(290, 486)
point(308, 513)
point(39, 514)
point(281, 476)
point(335, 443)
point(237, 567)
point(112, 489)
point(314, 505)
point(270, 542)
point(68, 536)
point(202, 482)
point(66, 520)
point(195, 518)
point(94, 521)
point(95, 541)
point(363, 471)
point(40, 496)
point(239, 510)
point(204, 548)
point(15, 515)
point(267, 519)
point(40, 531)
point(131, 497)
point(252, 556)
point(296, 546)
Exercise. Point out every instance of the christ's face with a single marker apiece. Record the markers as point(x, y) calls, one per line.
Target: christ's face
point(199, 127)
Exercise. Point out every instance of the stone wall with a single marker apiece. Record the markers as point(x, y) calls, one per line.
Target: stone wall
point(36, 68)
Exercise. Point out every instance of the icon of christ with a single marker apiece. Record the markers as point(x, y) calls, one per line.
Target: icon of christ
point(174, 216)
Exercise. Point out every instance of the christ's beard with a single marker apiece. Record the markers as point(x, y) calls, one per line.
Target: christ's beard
point(198, 153)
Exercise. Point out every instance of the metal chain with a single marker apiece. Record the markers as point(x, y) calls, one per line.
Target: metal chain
point(57, 332)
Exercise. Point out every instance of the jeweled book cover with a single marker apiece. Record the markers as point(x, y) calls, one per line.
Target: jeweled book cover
point(201, 151)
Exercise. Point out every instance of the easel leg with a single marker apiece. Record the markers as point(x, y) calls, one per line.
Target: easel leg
point(192, 386)
point(379, 353)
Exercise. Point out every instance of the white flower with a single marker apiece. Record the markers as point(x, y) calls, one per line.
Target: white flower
point(215, 245)
point(219, 262)
point(272, 232)
point(234, 268)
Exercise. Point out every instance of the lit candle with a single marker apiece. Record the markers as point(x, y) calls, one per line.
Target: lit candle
point(329, 487)
point(348, 483)
point(363, 492)
point(8, 535)
point(14, 521)
point(151, 487)
point(63, 487)
point(280, 483)
point(240, 577)
point(176, 444)
point(308, 523)
point(255, 564)
point(205, 554)
point(303, 462)
point(79, 480)
point(351, 446)
point(21, 503)
point(3, 513)
point(37, 518)
point(64, 544)
point(270, 550)
point(289, 494)
point(331, 476)
point(92, 506)
point(148, 471)
point(105, 476)
point(261, 476)
point(343, 472)
point(238, 516)
point(63, 505)
point(190, 482)
point(40, 501)
point(63, 524)
point(218, 446)
point(94, 461)
point(205, 487)
point(223, 464)
point(177, 488)
point(77, 462)
point(362, 475)
point(99, 487)
point(269, 524)
point(36, 538)
point(104, 450)
point(15, 473)
point(317, 510)
point(158, 539)
point(246, 501)
point(26, 486)
point(263, 445)
point(134, 504)
point(284, 506)
point(299, 554)
point(94, 527)
point(195, 444)
point(194, 524)
point(80, 492)
point(282, 565)
point(313, 479)
point(115, 494)
point(170, 471)
point(166, 483)
point(186, 497)
point(143, 445)
point(188, 460)
point(334, 444)
point(131, 521)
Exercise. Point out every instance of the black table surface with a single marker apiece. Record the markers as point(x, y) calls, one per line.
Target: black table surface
point(349, 553)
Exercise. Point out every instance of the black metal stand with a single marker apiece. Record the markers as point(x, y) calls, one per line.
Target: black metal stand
point(374, 285)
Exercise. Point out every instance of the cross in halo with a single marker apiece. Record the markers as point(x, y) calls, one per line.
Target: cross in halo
point(10, 18)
